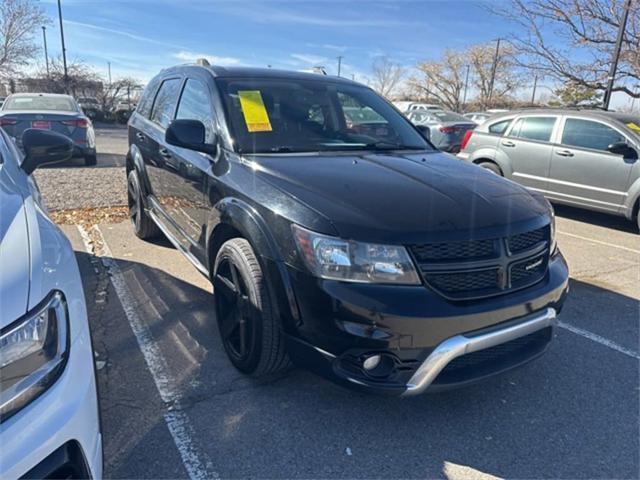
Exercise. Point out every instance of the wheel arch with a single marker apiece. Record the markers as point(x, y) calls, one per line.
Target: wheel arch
point(478, 161)
point(231, 218)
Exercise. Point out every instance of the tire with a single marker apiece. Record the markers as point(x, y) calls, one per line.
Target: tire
point(143, 226)
point(492, 167)
point(91, 160)
point(249, 328)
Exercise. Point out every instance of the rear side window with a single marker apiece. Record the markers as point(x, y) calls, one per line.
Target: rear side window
point(165, 104)
point(588, 134)
point(195, 104)
point(144, 105)
point(534, 128)
point(499, 127)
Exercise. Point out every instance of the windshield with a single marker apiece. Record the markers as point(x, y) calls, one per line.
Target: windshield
point(434, 116)
point(291, 115)
point(38, 102)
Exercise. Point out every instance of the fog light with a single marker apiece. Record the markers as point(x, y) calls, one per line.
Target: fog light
point(371, 362)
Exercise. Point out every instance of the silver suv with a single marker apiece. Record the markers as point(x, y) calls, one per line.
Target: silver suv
point(585, 158)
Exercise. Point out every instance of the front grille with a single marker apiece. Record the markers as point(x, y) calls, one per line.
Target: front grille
point(467, 270)
point(464, 281)
point(467, 250)
point(525, 241)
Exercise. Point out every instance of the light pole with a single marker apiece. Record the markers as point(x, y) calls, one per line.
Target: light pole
point(46, 54)
point(616, 56)
point(340, 57)
point(493, 71)
point(466, 85)
point(109, 67)
point(535, 85)
point(64, 50)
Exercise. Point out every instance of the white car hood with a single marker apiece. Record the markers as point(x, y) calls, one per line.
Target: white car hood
point(14, 254)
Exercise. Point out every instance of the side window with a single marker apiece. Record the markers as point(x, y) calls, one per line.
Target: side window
point(499, 127)
point(588, 134)
point(196, 104)
point(144, 105)
point(164, 106)
point(534, 128)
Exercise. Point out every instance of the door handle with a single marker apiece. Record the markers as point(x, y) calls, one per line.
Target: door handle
point(140, 136)
point(508, 143)
point(564, 153)
point(165, 153)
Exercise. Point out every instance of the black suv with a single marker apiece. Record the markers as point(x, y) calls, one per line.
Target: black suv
point(336, 236)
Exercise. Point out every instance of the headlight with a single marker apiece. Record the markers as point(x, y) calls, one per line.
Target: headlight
point(33, 353)
point(337, 259)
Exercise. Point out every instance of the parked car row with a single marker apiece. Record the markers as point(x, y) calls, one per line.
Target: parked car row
point(444, 129)
point(47, 111)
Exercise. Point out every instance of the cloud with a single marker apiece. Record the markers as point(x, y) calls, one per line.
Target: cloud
point(188, 56)
point(122, 33)
point(310, 59)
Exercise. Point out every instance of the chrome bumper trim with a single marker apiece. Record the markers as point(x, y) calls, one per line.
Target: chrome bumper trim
point(460, 345)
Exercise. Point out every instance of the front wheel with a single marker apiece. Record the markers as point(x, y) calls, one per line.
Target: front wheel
point(249, 328)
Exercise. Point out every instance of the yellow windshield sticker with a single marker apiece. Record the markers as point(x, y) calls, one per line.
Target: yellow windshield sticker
point(634, 126)
point(254, 111)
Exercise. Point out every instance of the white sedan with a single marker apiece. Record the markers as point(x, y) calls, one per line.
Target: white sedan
point(49, 419)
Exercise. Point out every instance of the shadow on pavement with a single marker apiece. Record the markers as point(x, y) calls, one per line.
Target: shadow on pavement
point(571, 414)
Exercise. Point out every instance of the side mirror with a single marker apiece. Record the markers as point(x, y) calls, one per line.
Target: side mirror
point(190, 134)
point(624, 149)
point(425, 131)
point(43, 147)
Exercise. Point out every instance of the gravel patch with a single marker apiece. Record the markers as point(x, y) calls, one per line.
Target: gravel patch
point(68, 188)
point(71, 185)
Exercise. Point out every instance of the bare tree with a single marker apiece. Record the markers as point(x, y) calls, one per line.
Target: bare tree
point(573, 40)
point(386, 75)
point(506, 78)
point(442, 79)
point(19, 19)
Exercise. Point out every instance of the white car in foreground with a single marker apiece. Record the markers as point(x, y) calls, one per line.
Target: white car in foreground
point(49, 420)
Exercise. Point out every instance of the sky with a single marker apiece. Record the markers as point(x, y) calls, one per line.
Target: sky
point(140, 37)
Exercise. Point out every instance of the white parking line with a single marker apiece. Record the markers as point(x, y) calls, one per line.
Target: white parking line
point(196, 463)
point(601, 340)
point(613, 245)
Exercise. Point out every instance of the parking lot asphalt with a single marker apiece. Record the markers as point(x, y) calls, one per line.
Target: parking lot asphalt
point(173, 406)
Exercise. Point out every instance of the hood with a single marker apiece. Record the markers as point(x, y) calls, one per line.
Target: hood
point(14, 253)
point(395, 198)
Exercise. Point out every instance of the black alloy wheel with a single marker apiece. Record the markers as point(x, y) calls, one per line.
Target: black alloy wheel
point(249, 329)
point(143, 226)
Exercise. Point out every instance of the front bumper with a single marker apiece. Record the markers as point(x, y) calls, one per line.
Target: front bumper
point(431, 343)
point(60, 428)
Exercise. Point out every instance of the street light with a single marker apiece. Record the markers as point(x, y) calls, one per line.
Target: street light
point(493, 71)
point(340, 57)
point(616, 56)
point(46, 55)
point(64, 50)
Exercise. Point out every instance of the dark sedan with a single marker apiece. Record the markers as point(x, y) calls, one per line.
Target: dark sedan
point(47, 111)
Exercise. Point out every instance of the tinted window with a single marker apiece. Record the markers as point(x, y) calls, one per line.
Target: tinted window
point(144, 106)
point(534, 128)
point(588, 134)
point(165, 103)
point(499, 127)
point(41, 102)
point(195, 104)
point(290, 114)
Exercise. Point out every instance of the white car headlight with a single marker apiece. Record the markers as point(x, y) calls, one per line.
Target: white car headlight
point(336, 259)
point(33, 353)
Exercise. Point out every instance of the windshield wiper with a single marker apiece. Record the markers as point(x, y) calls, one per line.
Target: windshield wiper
point(382, 145)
